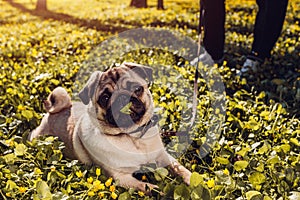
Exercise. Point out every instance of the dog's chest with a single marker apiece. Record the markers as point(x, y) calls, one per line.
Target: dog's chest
point(123, 151)
point(146, 144)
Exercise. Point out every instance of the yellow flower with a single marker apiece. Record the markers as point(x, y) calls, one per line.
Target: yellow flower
point(90, 180)
point(98, 185)
point(226, 172)
point(24, 82)
point(21, 95)
point(144, 178)
point(9, 142)
point(79, 174)
point(108, 182)
point(37, 171)
point(62, 71)
point(141, 194)
point(210, 183)
point(98, 172)
point(21, 107)
point(101, 194)
point(10, 91)
point(112, 188)
point(22, 189)
point(114, 195)
point(101, 186)
point(91, 193)
point(52, 168)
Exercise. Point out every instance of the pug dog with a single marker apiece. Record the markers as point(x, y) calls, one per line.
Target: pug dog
point(113, 127)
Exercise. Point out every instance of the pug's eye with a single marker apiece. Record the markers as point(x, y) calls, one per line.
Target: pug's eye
point(103, 100)
point(139, 90)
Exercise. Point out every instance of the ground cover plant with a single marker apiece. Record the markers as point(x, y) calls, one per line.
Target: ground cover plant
point(256, 156)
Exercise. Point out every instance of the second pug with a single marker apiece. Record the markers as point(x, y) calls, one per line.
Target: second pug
point(113, 126)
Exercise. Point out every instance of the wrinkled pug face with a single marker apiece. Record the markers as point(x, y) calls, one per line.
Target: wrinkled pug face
point(120, 97)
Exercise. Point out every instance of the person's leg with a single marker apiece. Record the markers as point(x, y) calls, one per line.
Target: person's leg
point(214, 27)
point(268, 26)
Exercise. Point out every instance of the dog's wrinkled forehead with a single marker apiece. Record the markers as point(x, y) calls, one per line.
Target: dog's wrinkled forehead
point(113, 76)
point(116, 77)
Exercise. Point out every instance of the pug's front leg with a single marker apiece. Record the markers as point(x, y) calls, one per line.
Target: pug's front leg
point(167, 160)
point(180, 170)
point(128, 181)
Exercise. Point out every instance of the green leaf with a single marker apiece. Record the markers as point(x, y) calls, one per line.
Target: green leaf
point(223, 161)
point(10, 158)
point(61, 175)
point(240, 165)
point(161, 173)
point(2, 119)
point(197, 193)
point(260, 167)
point(20, 149)
point(182, 192)
point(27, 114)
point(273, 160)
point(10, 185)
point(267, 198)
point(43, 191)
point(168, 189)
point(124, 196)
point(285, 148)
point(251, 194)
point(196, 179)
point(257, 178)
point(295, 141)
point(243, 151)
point(252, 124)
point(265, 148)
point(223, 178)
point(283, 187)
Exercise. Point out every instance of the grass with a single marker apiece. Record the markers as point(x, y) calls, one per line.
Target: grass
point(257, 154)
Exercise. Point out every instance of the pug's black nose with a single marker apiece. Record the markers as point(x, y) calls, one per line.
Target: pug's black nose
point(123, 100)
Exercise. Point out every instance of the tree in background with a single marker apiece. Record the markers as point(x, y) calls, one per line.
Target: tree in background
point(139, 3)
point(160, 4)
point(41, 5)
point(143, 4)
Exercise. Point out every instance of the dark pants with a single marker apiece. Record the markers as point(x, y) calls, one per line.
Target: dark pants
point(267, 28)
point(214, 27)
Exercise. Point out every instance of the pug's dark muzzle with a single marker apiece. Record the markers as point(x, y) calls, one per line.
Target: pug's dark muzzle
point(118, 118)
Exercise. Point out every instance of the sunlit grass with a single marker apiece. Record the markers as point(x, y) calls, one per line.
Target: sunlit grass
point(42, 50)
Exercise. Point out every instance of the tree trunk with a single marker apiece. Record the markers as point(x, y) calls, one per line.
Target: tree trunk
point(139, 3)
point(160, 4)
point(41, 5)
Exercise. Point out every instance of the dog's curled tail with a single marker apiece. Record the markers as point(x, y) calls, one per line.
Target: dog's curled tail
point(57, 100)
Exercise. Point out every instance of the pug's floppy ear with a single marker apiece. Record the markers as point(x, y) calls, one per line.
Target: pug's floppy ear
point(89, 89)
point(143, 71)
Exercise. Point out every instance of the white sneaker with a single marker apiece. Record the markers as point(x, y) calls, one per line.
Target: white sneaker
point(250, 66)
